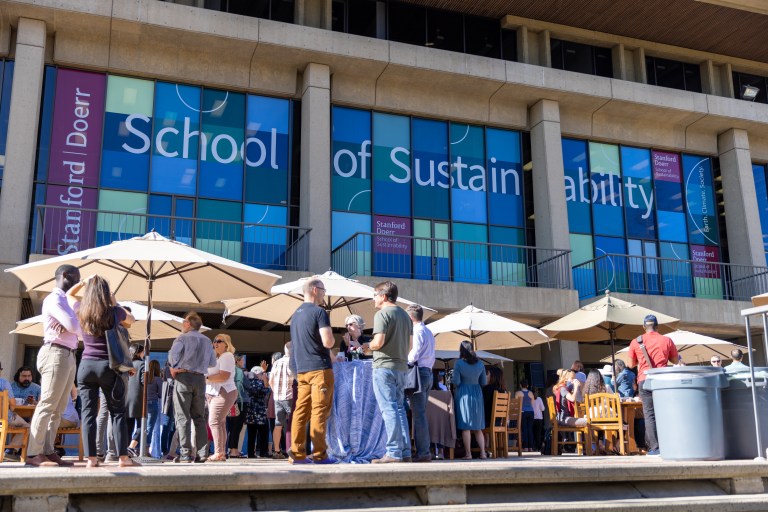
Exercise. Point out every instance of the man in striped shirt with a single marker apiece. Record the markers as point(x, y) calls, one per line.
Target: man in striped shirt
point(281, 382)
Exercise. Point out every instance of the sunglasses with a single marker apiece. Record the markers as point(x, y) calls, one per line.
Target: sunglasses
point(715, 361)
point(217, 341)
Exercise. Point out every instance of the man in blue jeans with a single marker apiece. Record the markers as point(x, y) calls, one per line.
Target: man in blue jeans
point(423, 355)
point(392, 329)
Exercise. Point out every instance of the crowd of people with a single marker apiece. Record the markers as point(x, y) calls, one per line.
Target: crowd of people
point(206, 394)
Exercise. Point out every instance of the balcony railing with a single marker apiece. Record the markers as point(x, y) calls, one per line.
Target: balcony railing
point(663, 276)
point(409, 257)
point(58, 230)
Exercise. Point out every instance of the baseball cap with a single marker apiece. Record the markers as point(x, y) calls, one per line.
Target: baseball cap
point(606, 370)
point(581, 377)
point(651, 318)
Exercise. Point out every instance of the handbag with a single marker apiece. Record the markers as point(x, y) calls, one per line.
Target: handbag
point(234, 411)
point(412, 380)
point(118, 347)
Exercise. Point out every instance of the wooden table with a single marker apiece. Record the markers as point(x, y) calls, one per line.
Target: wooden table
point(630, 410)
point(25, 411)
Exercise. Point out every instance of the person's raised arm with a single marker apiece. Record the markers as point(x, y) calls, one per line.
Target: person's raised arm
point(326, 335)
point(65, 316)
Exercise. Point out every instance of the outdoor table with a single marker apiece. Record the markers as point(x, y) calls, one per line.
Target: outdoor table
point(631, 409)
point(25, 411)
point(441, 418)
point(356, 432)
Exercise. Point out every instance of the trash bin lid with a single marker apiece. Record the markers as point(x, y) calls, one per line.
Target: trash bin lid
point(686, 376)
point(741, 380)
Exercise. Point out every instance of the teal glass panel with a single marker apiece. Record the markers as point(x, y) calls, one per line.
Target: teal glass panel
point(128, 223)
point(264, 246)
point(354, 252)
point(509, 260)
point(351, 160)
point(391, 164)
point(611, 264)
point(605, 180)
point(223, 234)
point(267, 150)
point(470, 253)
point(505, 178)
point(431, 170)
point(223, 133)
point(675, 270)
point(639, 209)
point(468, 176)
point(578, 191)
point(582, 256)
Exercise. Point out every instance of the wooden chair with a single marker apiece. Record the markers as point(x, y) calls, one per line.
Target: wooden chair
point(557, 429)
point(514, 424)
point(71, 431)
point(6, 429)
point(603, 412)
point(497, 430)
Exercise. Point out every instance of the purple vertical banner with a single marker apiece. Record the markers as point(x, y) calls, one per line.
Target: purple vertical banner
point(78, 115)
point(73, 173)
point(707, 259)
point(384, 225)
point(69, 229)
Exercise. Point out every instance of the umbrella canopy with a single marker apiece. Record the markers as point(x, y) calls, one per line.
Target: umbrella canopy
point(692, 347)
point(446, 355)
point(760, 300)
point(487, 330)
point(343, 297)
point(164, 325)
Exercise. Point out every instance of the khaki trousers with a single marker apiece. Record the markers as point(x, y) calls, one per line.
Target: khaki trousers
point(313, 405)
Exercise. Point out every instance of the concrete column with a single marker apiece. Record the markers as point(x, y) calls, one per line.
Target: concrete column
point(641, 74)
point(709, 77)
point(545, 49)
point(522, 45)
point(726, 81)
point(745, 239)
point(619, 62)
point(314, 13)
point(19, 173)
point(315, 209)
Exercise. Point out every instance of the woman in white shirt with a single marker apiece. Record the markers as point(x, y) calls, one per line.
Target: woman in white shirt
point(221, 394)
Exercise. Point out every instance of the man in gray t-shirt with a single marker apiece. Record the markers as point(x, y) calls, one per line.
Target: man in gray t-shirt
point(392, 328)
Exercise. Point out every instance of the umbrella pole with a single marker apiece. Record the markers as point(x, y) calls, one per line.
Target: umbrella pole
point(613, 359)
point(144, 442)
point(760, 453)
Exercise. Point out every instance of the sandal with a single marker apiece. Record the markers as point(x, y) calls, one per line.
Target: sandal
point(216, 458)
point(128, 463)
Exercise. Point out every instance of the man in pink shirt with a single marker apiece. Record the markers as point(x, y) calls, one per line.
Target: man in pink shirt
point(659, 349)
point(57, 366)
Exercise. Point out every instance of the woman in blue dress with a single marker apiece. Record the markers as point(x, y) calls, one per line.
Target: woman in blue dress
point(469, 377)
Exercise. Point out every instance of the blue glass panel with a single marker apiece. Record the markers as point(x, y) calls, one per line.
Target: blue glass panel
point(431, 170)
point(470, 260)
point(265, 247)
point(577, 186)
point(267, 150)
point(761, 189)
point(605, 176)
point(221, 163)
point(675, 270)
point(391, 165)
point(667, 176)
point(611, 268)
point(505, 178)
point(46, 124)
point(509, 261)
point(351, 160)
point(582, 256)
point(222, 237)
point(176, 137)
point(160, 205)
point(700, 199)
point(5, 107)
point(638, 193)
point(468, 176)
point(185, 209)
point(355, 253)
point(643, 272)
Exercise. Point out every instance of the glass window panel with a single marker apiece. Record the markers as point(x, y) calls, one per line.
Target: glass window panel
point(468, 175)
point(556, 47)
point(256, 8)
point(221, 163)
point(611, 266)
point(6, 72)
point(761, 189)
point(675, 270)
point(407, 23)
point(354, 253)
point(445, 30)
point(392, 246)
point(391, 164)
point(160, 205)
point(692, 77)
point(668, 178)
point(46, 125)
point(362, 17)
point(504, 174)
point(223, 236)
point(470, 260)
point(127, 133)
point(605, 177)
point(422, 249)
point(176, 137)
point(578, 57)
point(182, 227)
point(131, 222)
point(267, 150)
point(482, 36)
point(638, 192)
point(577, 186)
point(338, 15)
point(265, 247)
point(509, 260)
point(643, 272)
point(707, 278)
point(603, 62)
point(742, 79)
point(582, 254)
point(669, 73)
point(351, 160)
point(700, 199)
point(509, 45)
point(283, 10)
point(431, 170)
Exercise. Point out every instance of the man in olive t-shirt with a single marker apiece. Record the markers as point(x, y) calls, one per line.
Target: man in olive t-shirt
point(392, 328)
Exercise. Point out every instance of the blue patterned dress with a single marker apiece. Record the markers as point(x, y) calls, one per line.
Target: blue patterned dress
point(469, 379)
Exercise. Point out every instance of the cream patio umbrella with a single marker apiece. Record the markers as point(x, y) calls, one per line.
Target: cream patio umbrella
point(447, 355)
point(692, 347)
point(608, 318)
point(486, 330)
point(164, 325)
point(152, 267)
point(343, 297)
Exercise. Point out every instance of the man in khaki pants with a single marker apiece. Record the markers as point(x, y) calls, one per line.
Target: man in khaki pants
point(57, 366)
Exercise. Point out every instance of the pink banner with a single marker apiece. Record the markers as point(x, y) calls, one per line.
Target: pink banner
point(666, 166)
point(708, 256)
point(69, 229)
point(384, 225)
point(78, 115)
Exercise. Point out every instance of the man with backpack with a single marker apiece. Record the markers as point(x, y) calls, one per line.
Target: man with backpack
point(651, 350)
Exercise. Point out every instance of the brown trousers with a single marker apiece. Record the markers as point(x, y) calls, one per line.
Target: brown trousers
point(313, 405)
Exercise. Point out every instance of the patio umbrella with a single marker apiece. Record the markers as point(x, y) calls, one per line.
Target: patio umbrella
point(692, 347)
point(486, 330)
point(605, 319)
point(447, 355)
point(152, 267)
point(760, 300)
point(343, 297)
point(164, 325)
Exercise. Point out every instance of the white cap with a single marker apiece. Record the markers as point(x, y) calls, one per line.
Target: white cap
point(606, 370)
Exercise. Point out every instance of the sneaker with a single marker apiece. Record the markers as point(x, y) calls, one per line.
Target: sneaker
point(327, 460)
point(653, 453)
point(385, 460)
point(200, 460)
point(110, 458)
point(12, 456)
point(305, 460)
point(101, 458)
point(184, 459)
point(132, 452)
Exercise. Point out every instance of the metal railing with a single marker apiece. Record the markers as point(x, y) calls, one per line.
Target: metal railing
point(665, 276)
point(410, 257)
point(59, 230)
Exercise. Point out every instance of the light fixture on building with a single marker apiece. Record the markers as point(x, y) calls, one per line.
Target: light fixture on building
point(749, 92)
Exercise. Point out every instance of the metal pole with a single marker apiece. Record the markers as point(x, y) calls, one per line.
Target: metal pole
point(765, 337)
point(144, 443)
point(760, 453)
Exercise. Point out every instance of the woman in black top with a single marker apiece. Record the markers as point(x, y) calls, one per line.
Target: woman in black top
point(354, 338)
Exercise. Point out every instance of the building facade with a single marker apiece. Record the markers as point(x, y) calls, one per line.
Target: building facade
point(522, 158)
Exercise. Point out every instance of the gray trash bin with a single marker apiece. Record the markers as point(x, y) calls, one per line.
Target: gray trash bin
point(689, 411)
point(739, 415)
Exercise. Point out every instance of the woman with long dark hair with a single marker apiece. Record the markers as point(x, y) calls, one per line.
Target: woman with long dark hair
point(97, 314)
point(134, 400)
point(469, 377)
point(154, 390)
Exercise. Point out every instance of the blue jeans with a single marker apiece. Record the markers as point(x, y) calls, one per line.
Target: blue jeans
point(153, 409)
point(419, 413)
point(388, 387)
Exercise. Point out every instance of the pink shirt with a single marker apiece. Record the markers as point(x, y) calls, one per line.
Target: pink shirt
point(56, 311)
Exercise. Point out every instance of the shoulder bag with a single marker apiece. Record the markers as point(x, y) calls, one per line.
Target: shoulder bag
point(412, 380)
point(118, 346)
